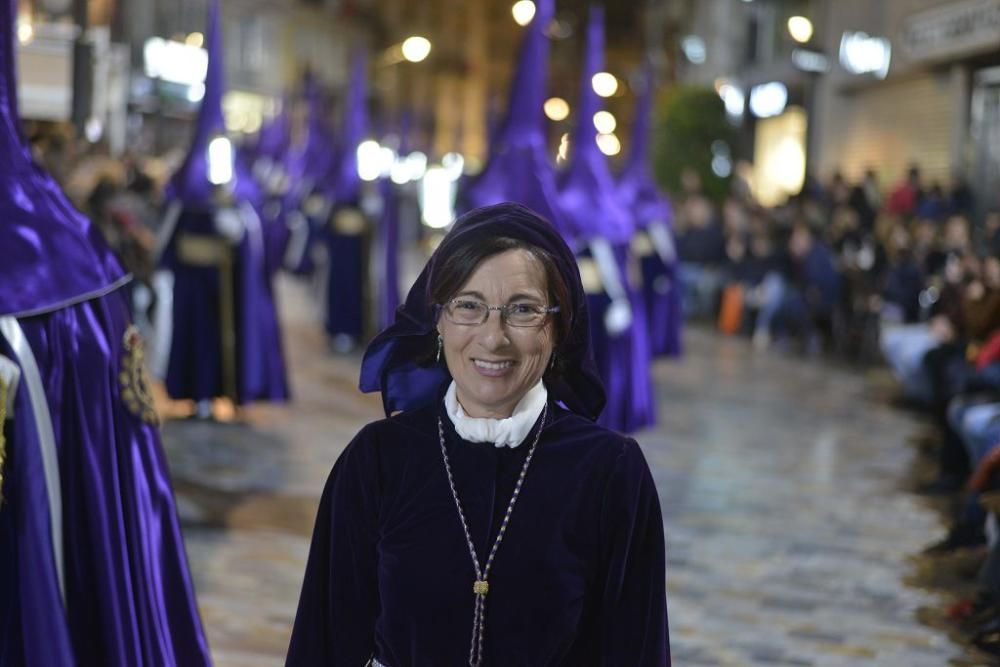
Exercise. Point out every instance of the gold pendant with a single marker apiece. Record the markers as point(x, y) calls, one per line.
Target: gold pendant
point(481, 587)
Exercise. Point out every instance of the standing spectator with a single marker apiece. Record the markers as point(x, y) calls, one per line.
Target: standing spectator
point(905, 198)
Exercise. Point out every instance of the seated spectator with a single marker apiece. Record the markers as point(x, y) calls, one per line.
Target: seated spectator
point(701, 246)
point(813, 289)
point(904, 280)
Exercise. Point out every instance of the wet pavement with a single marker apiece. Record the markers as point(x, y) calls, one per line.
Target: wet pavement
point(789, 529)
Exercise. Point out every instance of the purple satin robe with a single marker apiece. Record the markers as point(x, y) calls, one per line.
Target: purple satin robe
point(129, 598)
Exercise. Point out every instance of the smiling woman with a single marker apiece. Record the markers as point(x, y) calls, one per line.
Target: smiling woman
point(494, 361)
point(488, 520)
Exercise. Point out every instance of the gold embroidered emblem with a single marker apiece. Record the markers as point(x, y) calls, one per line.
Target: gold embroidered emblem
point(132, 377)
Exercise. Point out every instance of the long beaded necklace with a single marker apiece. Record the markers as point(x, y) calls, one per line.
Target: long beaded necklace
point(482, 586)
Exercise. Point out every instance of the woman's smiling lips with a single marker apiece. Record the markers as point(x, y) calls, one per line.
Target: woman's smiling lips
point(492, 368)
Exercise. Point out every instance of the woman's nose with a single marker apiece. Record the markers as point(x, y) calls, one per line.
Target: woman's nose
point(493, 331)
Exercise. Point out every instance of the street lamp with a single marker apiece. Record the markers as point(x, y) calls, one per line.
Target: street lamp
point(25, 32)
point(609, 144)
point(556, 108)
point(800, 28)
point(523, 11)
point(416, 48)
point(605, 84)
point(604, 122)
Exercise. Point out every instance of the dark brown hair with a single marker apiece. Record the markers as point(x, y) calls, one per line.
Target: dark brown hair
point(463, 260)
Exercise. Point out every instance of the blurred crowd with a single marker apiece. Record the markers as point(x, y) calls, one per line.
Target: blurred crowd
point(828, 268)
point(899, 276)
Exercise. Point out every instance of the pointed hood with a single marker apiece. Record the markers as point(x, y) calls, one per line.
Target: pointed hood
point(346, 182)
point(519, 168)
point(636, 185)
point(50, 254)
point(310, 163)
point(588, 192)
point(272, 141)
point(190, 183)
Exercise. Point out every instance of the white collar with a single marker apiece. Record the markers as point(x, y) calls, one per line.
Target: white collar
point(509, 432)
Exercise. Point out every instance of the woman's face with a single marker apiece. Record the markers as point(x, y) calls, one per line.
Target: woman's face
point(494, 364)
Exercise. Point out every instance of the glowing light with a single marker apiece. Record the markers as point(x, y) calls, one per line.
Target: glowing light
point(861, 53)
point(399, 174)
point(369, 163)
point(454, 164)
point(694, 49)
point(556, 108)
point(722, 166)
point(800, 28)
point(93, 129)
point(779, 156)
point(195, 39)
point(734, 99)
point(416, 165)
point(563, 152)
point(406, 168)
point(605, 122)
point(386, 158)
point(254, 121)
point(220, 161)
point(768, 99)
point(609, 144)
point(523, 11)
point(173, 61)
point(437, 198)
point(416, 48)
point(25, 32)
point(196, 92)
point(605, 84)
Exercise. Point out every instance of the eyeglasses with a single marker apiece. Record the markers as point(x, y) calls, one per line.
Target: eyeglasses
point(468, 312)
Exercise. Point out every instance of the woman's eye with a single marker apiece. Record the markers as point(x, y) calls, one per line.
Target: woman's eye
point(466, 305)
point(523, 308)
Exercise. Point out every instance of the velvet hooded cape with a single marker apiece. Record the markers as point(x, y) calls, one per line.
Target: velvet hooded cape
point(579, 578)
point(128, 593)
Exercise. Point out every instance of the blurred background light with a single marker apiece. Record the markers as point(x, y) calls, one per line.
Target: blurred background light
point(220, 161)
point(437, 198)
point(605, 122)
point(523, 11)
point(800, 28)
point(416, 48)
point(556, 108)
point(605, 84)
point(609, 144)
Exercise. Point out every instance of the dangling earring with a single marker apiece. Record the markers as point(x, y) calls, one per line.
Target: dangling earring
point(440, 345)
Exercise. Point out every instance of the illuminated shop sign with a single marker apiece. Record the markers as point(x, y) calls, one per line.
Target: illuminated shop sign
point(175, 61)
point(952, 30)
